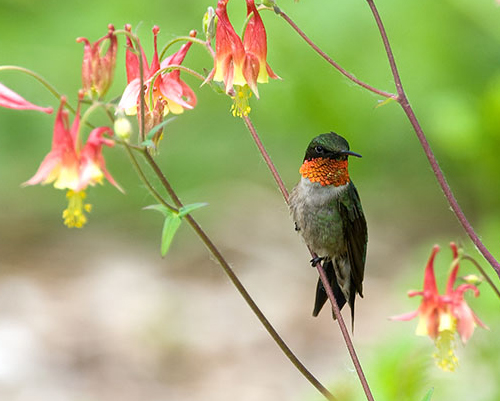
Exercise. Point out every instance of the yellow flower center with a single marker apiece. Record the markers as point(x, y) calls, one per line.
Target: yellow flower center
point(74, 215)
point(445, 348)
point(241, 103)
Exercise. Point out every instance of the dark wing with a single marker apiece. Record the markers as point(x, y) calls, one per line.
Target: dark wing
point(356, 235)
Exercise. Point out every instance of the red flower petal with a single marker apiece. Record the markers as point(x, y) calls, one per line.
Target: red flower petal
point(12, 100)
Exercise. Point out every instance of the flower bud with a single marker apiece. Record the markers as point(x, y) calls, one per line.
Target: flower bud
point(122, 127)
point(472, 279)
point(209, 24)
point(97, 69)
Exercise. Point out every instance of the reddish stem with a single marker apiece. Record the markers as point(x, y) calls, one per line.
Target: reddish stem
point(319, 266)
point(405, 104)
point(237, 283)
point(330, 60)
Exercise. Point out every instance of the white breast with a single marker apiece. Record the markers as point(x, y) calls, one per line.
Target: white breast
point(314, 193)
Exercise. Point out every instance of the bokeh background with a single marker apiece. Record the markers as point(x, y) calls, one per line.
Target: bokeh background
point(96, 314)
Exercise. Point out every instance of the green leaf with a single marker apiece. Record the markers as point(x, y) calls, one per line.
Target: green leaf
point(172, 222)
point(428, 395)
point(158, 127)
point(189, 208)
point(170, 227)
point(148, 143)
point(159, 208)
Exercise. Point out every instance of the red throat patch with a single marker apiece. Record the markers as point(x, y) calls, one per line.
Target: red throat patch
point(325, 171)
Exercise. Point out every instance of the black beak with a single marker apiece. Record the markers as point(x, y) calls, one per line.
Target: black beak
point(348, 152)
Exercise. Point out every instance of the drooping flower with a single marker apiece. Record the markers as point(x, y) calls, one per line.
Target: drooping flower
point(255, 43)
point(12, 100)
point(442, 317)
point(164, 90)
point(240, 64)
point(97, 69)
point(73, 167)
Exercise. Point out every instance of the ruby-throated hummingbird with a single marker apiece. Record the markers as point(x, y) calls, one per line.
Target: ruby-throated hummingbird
point(327, 212)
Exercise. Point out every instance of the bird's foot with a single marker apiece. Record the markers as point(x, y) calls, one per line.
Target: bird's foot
point(316, 260)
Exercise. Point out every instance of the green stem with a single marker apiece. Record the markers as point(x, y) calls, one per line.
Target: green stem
point(40, 79)
point(144, 179)
point(483, 273)
point(187, 39)
point(177, 67)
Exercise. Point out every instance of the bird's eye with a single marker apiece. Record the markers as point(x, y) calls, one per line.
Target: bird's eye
point(319, 149)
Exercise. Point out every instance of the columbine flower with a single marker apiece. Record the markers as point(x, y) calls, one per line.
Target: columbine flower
point(255, 42)
point(164, 91)
point(444, 316)
point(97, 69)
point(240, 65)
point(11, 100)
point(71, 167)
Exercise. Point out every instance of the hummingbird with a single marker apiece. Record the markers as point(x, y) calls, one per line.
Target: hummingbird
point(327, 211)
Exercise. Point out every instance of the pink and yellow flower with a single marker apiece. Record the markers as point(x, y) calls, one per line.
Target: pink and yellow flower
point(97, 69)
point(164, 91)
point(73, 167)
point(240, 64)
point(441, 317)
point(11, 100)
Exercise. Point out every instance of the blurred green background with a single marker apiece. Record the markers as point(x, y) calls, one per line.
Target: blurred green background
point(97, 314)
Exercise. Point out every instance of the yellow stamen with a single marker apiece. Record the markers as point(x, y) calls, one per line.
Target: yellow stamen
point(241, 105)
point(445, 350)
point(74, 215)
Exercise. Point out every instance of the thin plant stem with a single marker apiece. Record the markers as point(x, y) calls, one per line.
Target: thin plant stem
point(40, 79)
point(319, 266)
point(145, 180)
point(483, 273)
point(187, 39)
point(214, 250)
point(237, 283)
point(405, 104)
point(180, 68)
point(332, 62)
point(266, 157)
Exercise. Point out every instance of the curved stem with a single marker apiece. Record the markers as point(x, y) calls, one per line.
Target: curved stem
point(178, 67)
point(85, 117)
point(319, 266)
point(483, 273)
point(329, 59)
point(40, 79)
point(405, 104)
point(237, 283)
point(187, 39)
point(144, 179)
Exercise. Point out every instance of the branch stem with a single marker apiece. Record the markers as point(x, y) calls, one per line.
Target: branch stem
point(237, 283)
point(40, 79)
point(405, 104)
point(332, 62)
point(144, 179)
point(319, 266)
point(483, 273)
